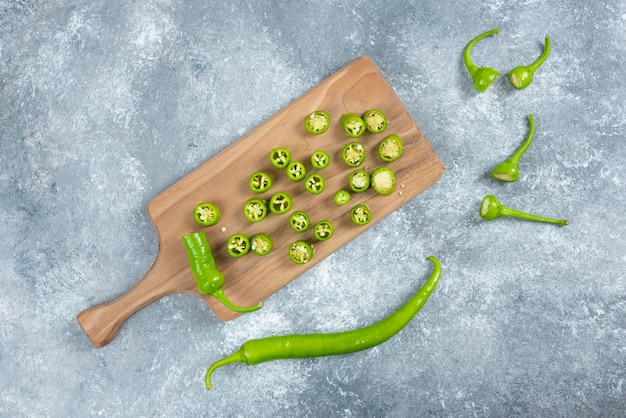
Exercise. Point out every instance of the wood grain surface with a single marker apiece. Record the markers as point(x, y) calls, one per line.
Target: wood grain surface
point(223, 180)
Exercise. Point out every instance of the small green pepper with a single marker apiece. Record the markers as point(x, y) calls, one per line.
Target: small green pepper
point(323, 230)
point(491, 208)
point(300, 252)
point(261, 243)
point(483, 77)
point(359, 180)
point(314, 183)
point(280, 157)
point(508, 170)
point(260, 182)
point(296, 171)
point(299, 221)
point(383, 180)
point(320, 159)
point(238, 245)
point(353, 125)
point(255, 210)
point(521, 77)
point(280, 203)
point(317, 122)
point(375, 121)
point(390, 148)
point(360, 215)
point(342, 197)
point(353, 154)
point(206, 214)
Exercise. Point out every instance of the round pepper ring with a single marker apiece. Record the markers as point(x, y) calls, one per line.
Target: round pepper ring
point(296, 171)
point(323, 230)
point(314, 183)
point(353, 154)
point(260, 182)
point(390, 148)
point(255, 210)
point(238, 245)
point(300, 252)
point(375, 121)
point(320, 159)
point(359, 180)
point(280, 203)
point(299, 221)
point(261, 243)
point(360, 215)
point(280, 157)
point(317, 122)
point(206, 214)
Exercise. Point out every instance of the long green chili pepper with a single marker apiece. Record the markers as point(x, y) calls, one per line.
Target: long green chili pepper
point(491, 208)
point(508, 170)
point(521, 77)
point(208, 278)
point(294, 346)
point(483, 77)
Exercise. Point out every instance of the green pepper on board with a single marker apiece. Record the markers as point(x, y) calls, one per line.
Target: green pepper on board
point(317, 122)
point(260, 182)
point(353, 125)
point(299, 221)
point(353, 154)
point(390, 148)
point(341, 197)
point(296, 171)
point(320, 159)
point(300, 252)
point(359, 180)
point(483, 77)
point(521, 77)
point(280, 203)
point(383, 180)
point(360, 214)
point(323, 230)
point(314, 183)
point(375, 121)
point(206, 214)
point(261, 243)
point(280, 157)
point(255, 210)
point(238, 245)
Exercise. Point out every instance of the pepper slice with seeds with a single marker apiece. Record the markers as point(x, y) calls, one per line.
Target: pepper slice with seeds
point(383, 180)
point(353, 125)
point(390, 148)
point(299, 221)
point(314, 183)
point(320, 159)
point(206, 214)
point(300, 252)
point(255, 210)
point(238, 245)
point(280, 157)
point(323, 230)
point(353, 154)
point(375, 121)
point(261, 243)
point(280, 203)
point(260, 182)
point(359, 180)
point(317, 122)
point(360, 215)
point(296, 171)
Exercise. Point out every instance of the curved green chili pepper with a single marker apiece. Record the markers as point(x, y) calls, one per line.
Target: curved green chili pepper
point(353, 125)
point(491, 208)
point(390, 148)
point(353, 154)
point(296, 171)
point(261, 243)
point(383, 180)
point(360, 215)
point(509, 170)
point(483, 77)
point(320, 159)
point(314, 183)
point(206, 214)
point(521, 77)
point(375, 121)
point(208, 279)
point(294, 346)
point(280, 157)
point(317, 122)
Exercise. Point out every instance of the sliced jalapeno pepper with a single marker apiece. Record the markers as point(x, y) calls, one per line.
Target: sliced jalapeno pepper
point(360, 215)
point(317, 122)
point(353, 154)
point(342, 197)
point(299, 221)
point(280, 203)
point(383, 180)
point(353, 125)
point(320, 159)
point(255, 210)
point(260, 182)
point(238, 245)
point(359, 180)
point(206, 214)
point(296, 171)
point(261, 243)
point(323, 230)
point(280, 157)
point(314, 183)
point(390, 148)
point(375, 121)
point(300, 252)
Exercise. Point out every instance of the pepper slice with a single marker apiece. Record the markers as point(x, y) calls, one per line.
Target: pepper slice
point(255, 210)
point(359, 180)
point(390, 148)
point(299, 221)
point(300, 252)
point(314, 183)
point(238, 245)
point(296, 171)
point(260, 182)
point(360, 215)
point(317, 122)
point(383, 180)
point(353, 125)
point(280, 203)
point(323, 230)
point(375, 121)
point(353, 154)
point(320, 159)
point(206, 214)
point(261, 243)
point(342, 197)
point(280, 157)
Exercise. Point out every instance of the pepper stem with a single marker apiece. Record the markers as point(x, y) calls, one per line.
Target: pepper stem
point(506, 211)
point(517, 155)
point(467, 59)
point(221, 296)
point(544, 55)
point(236, 357)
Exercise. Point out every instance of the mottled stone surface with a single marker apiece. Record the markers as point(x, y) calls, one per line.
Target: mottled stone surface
point(105, 104)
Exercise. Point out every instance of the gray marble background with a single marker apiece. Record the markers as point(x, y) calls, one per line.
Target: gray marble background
point(105, 104)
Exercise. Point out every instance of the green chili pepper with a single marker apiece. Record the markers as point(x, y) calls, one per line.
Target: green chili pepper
point(390, 148)
point(342, 197)
point(260, 182)
point(323, 230)
point(296, 171)
point(314, 183)
point(280, 157)
point(509, 170)
point(483, 77)
point(280, 203)
point(360, 215)
point(294, 346)
point(359, 180)
point(353, 125)
point(206, 214)
point(375, 121)
point(238, 245)
point(261, 243)
point(383, 180)
point(299, 221)
point(353, 154)
point(255, 210)
point(208, 278)
point(491, 208)
point(320, 159)
point(317, 122)
point(521, 77)
point(300, 252)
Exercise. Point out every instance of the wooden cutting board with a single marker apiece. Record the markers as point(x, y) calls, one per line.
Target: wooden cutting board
point(223, 180)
